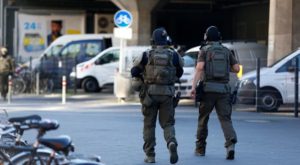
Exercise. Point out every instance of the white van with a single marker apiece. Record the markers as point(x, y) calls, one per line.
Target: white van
point(277, 84)
point(62, 54)
point(245, 52)
point(100, 71)
point(94, 43)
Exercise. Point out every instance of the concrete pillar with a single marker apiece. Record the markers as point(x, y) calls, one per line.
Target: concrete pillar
point(141, 25)
point(280, 29)
point(296, 24)
point(1, 22)
point(3, 4)
point(145, 9)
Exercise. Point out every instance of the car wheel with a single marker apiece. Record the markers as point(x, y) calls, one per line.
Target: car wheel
point(269, 101)
point(90, 85)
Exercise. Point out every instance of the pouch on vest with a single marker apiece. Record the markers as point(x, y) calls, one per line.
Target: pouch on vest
point(147, 100)
point(214, 87)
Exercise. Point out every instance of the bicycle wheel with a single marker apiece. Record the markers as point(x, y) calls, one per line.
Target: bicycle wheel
point(19, 85)
point(9, 139)
point(25, 158)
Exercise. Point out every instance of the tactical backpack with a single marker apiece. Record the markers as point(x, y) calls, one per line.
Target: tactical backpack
point(217, 69)
point(160, 69)
point(160, 72)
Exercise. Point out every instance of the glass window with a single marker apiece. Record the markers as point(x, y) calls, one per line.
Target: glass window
point(54, 51)
point(291, 63)
point(109, 57)
point(188, 61)
point(83, 50)
point(190, 56)
point(72, 50)
point(92, 49)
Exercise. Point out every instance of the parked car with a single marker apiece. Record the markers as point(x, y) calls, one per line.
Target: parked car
point(60, 57)
point(99, 72)
point(245, 52)
point(276, 84)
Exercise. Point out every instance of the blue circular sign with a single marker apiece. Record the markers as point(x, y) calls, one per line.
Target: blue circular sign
point(123, 18)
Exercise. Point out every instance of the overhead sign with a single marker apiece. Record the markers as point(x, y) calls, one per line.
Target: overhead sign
point(123, 19)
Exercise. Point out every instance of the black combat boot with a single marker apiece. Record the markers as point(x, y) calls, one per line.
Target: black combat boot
point(149, 159)
point(173, 152)
point(230, 152)
point(200, 151)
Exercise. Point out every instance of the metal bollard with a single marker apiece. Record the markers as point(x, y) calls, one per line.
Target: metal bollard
point(64, 88)
point(257, 84)
point(296, 88)
point(9, 89)
point(37, 85)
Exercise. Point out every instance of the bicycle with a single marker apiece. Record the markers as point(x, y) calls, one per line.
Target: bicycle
point(57, 152)
point(12, 134)
point(41, 125)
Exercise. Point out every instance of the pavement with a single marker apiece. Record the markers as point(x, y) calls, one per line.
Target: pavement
point(99, 124)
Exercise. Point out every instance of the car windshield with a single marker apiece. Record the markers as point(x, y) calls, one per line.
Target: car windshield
point(54, 51)
point(280, 60)
point(190, 59)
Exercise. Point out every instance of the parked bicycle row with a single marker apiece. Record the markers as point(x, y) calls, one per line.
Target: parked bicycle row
point(14, 150)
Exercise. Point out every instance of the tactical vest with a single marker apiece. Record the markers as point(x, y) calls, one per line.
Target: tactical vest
point(217, 65)
point(160, 69)
point(5, 64)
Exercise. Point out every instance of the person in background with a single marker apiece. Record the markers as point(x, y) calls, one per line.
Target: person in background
point(56, 27)
point(6, 68)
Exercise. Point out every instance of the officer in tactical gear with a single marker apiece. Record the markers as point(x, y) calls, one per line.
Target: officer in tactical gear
point(6, 69)
point(214, 64)
point(158, 69)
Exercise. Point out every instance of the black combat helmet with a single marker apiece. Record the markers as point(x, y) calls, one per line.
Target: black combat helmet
point(160, 37)
point(212, 34)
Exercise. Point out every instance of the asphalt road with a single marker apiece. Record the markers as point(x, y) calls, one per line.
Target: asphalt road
point(98, 124)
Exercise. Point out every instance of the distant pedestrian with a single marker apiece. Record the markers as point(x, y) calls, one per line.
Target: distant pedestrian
point(213, 68)
point(157, 70)
point(6, 69)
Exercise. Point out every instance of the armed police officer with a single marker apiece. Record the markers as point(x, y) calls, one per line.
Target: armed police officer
point(158, 69)
point(214, 64)
point(6, 69)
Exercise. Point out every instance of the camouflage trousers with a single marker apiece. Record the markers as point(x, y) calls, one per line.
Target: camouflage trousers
point(162, 106)
point(222, 104)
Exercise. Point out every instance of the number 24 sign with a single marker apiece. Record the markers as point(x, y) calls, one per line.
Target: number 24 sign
point(32, 26)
